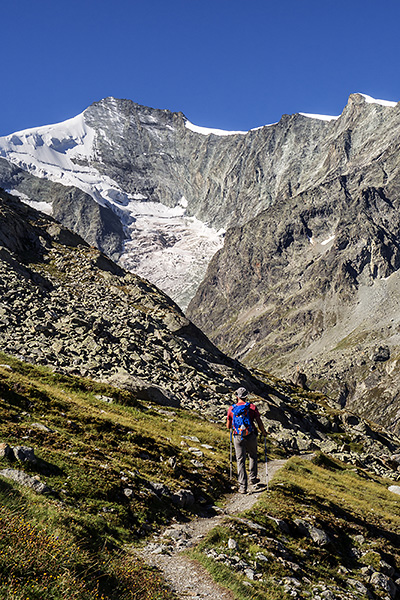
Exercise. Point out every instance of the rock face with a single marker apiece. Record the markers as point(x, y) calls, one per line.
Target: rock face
point(312, 281)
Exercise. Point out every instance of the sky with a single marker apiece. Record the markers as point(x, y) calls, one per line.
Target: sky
point(228, 64)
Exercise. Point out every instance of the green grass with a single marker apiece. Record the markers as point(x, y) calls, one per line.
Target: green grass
point(343, 502)
point(76, 542)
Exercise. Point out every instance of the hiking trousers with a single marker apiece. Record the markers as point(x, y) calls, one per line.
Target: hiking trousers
point(244, 446)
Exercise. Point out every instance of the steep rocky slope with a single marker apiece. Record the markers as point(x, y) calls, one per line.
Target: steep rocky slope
point(312, 281)
point(64, 304)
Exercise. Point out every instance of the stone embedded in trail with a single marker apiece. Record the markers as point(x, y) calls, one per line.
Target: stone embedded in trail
point(183, 498)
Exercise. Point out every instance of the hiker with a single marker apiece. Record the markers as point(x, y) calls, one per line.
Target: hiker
point(240, 419)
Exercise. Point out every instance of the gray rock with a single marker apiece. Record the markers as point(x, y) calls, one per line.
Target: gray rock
point(183, 498)
point(232, 544)
point(6, 451)
point(320, 537)
point(25, 454)
point(380, 354)
point(25, 480)
point(250, 574)
point(42, 427)
point(394, 488)
point(383, 582)
point(160, 488)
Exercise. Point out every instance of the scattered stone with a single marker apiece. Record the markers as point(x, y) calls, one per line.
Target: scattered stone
point(128, 492)
point(159, 488)
point(250, 574)
point(104, 398)
point(380, 354)
point(42, 427)
point(172, 462)
point(6, 451)
point(358, 585)
point(394, 488)
point(232, 544)
point(25, 454)
point(23, 479)
point(320, 537)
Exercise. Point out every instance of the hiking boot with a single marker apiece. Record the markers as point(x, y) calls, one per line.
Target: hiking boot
point(255, 481)
point(258, 486)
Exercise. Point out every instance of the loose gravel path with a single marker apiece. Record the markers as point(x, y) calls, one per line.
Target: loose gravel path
point(187, 578)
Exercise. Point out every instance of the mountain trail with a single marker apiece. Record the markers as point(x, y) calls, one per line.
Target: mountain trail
point(186, 577)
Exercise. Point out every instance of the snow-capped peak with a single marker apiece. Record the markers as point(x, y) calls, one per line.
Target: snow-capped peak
point(319, 117)
point(208, 130)
point(371, 100)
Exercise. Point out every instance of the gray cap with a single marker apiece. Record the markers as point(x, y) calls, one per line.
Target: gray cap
point(241, 393)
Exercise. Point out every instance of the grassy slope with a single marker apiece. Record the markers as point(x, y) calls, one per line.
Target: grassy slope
point(73, 543)
point(343, 501)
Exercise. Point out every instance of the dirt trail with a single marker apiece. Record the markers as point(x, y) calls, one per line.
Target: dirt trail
point(186, 577)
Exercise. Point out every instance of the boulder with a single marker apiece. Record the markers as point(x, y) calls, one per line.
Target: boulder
point(23, 479)
point(319, 536)
point(383, 582)
point(25, 454)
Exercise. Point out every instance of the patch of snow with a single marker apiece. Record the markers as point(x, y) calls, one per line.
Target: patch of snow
point(319, 117)
point(330, 239)
point(44, 207)
point(210, 131)
point(19, 195)
point(262, 126)
point(371, 100)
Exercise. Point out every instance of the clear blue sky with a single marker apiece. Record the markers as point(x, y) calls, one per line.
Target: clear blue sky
point(232, 64)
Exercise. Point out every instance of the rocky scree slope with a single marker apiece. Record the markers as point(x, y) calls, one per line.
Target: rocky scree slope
point(312, 281)
point(66, 305)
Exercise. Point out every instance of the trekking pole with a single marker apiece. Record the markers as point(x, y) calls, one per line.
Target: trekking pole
point(266, 463)
point(230, 458)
